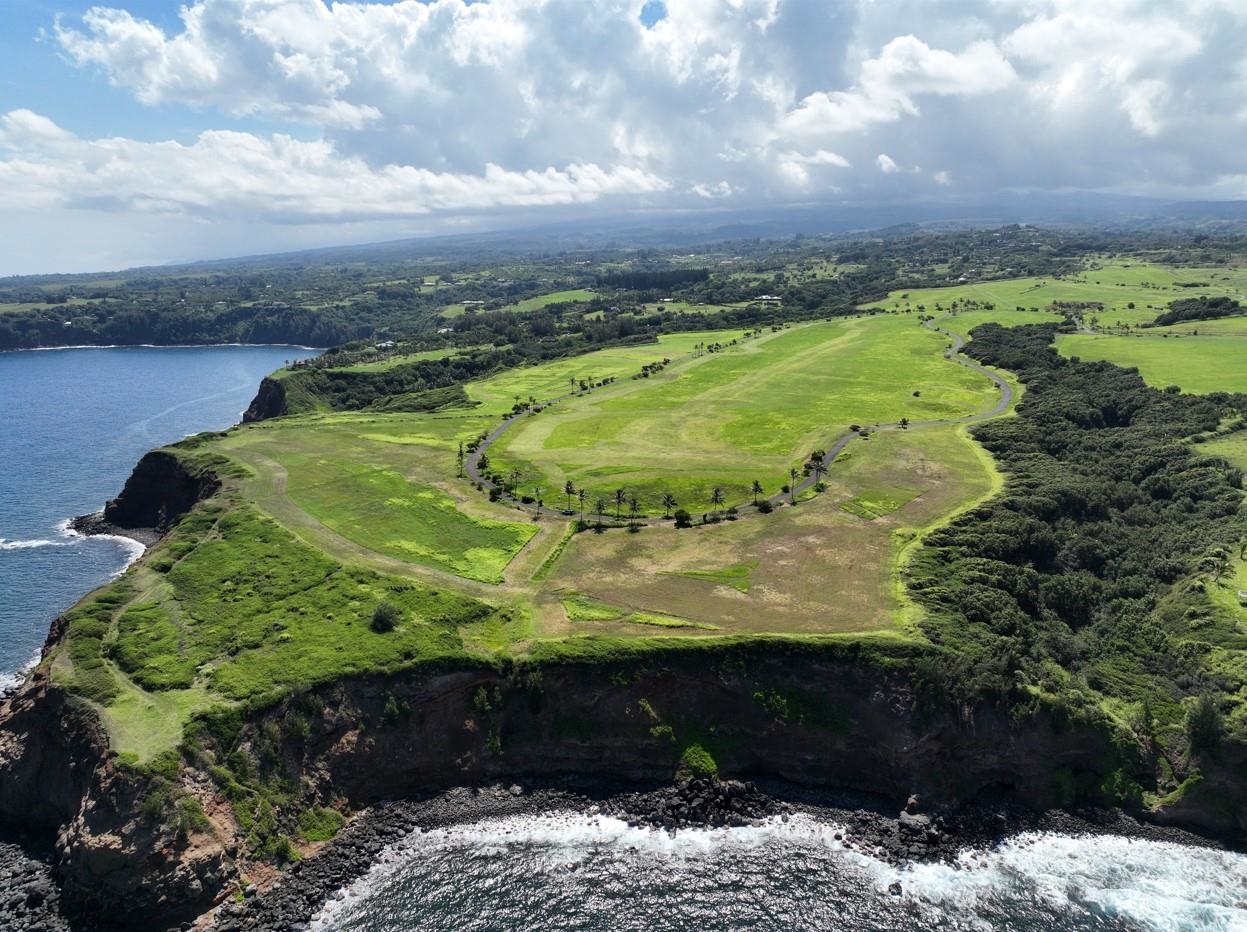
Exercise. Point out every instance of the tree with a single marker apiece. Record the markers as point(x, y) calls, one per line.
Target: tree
point(620, 495)
point(634, 508)
point(482, 464)
point(580, 494)
point(683, 518)
point(792, 489)
point(668, 502)
point(514, 475)
point(1203, 724)
point(599, 508)
point(569, 490)
point(459, 460)
point(904, 422)
point(756, 490)
point(385, 617)
point(537, 497)
point(716, 497)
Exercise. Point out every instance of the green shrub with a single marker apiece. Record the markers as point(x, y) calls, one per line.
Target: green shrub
point(320, 823)
point(386, 617)
point(697, 761)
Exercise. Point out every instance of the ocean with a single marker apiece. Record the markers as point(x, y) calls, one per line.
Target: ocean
point(573, 871)
point(74, 423)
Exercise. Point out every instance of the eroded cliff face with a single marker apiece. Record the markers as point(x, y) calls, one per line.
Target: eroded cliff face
point(159, 491)
point(58, 777)
point(270, 401)
point(810, 716)
point(764, 711)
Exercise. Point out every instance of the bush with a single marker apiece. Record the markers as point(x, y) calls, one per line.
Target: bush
point(697, 761)
point(386, 617)
point(765, 507)
point(1203, 724)
point(683, 518)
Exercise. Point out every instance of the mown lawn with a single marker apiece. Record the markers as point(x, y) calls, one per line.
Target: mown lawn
point(750, 412)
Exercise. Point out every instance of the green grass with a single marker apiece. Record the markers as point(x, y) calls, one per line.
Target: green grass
point(582, 608)
point(1232, 446)
point(735, 576)
point(1116, 283)
point(1196, 364)
point(748, 413)
point(240, 609)
point(552, 380)
point(528, 304)
point(402, 359)
point(383, 511)
point(545, 300)
point(657, 620)
point(879, 502)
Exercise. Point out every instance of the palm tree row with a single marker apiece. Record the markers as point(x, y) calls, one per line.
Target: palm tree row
point(621, 497)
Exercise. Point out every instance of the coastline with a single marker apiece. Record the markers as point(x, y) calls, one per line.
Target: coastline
point(299, 896)
point(94, 525)
point(100, 346)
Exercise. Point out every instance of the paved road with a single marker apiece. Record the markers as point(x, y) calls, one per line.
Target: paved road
point(471, 465)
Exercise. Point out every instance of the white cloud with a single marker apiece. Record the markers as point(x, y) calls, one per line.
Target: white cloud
point(276, 178)
point(402, 108)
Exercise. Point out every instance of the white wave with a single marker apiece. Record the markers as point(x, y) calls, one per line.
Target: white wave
point(1153, 886)
point(6, 544)
point(133, 549)
point(10, 681)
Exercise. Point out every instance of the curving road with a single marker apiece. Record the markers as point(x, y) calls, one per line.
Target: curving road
point(471, 464)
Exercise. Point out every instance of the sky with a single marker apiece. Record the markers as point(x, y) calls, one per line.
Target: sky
point(141, 132)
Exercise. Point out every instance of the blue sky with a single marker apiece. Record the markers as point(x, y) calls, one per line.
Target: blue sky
point(139, 131)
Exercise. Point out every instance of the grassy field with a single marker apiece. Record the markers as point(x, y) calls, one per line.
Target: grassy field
point(529, 304)
point(1206, 363)
point(1114, 283)
point(273, 583)
point(748, 413)
point(402, 359)
point(816, 568)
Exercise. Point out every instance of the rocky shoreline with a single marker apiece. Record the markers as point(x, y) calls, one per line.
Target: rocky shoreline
point(912, 835)
point(29, 895)
point(96, 525)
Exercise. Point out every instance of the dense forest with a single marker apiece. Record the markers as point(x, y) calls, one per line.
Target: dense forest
point(403, 291)
point(1088, 577)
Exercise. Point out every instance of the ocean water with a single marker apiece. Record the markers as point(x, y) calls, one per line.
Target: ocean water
point(579, 872)
point(73, 423)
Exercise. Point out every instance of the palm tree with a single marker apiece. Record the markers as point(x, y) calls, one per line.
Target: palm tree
point(756, 490)
point(514, 476)
point(668, 502)
point(633, 508)
point(569, 490)
point(537, 497)
point(581, 495)
point(792, 489)
point(716, 497)
point(599, 508)
point(619, 500)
